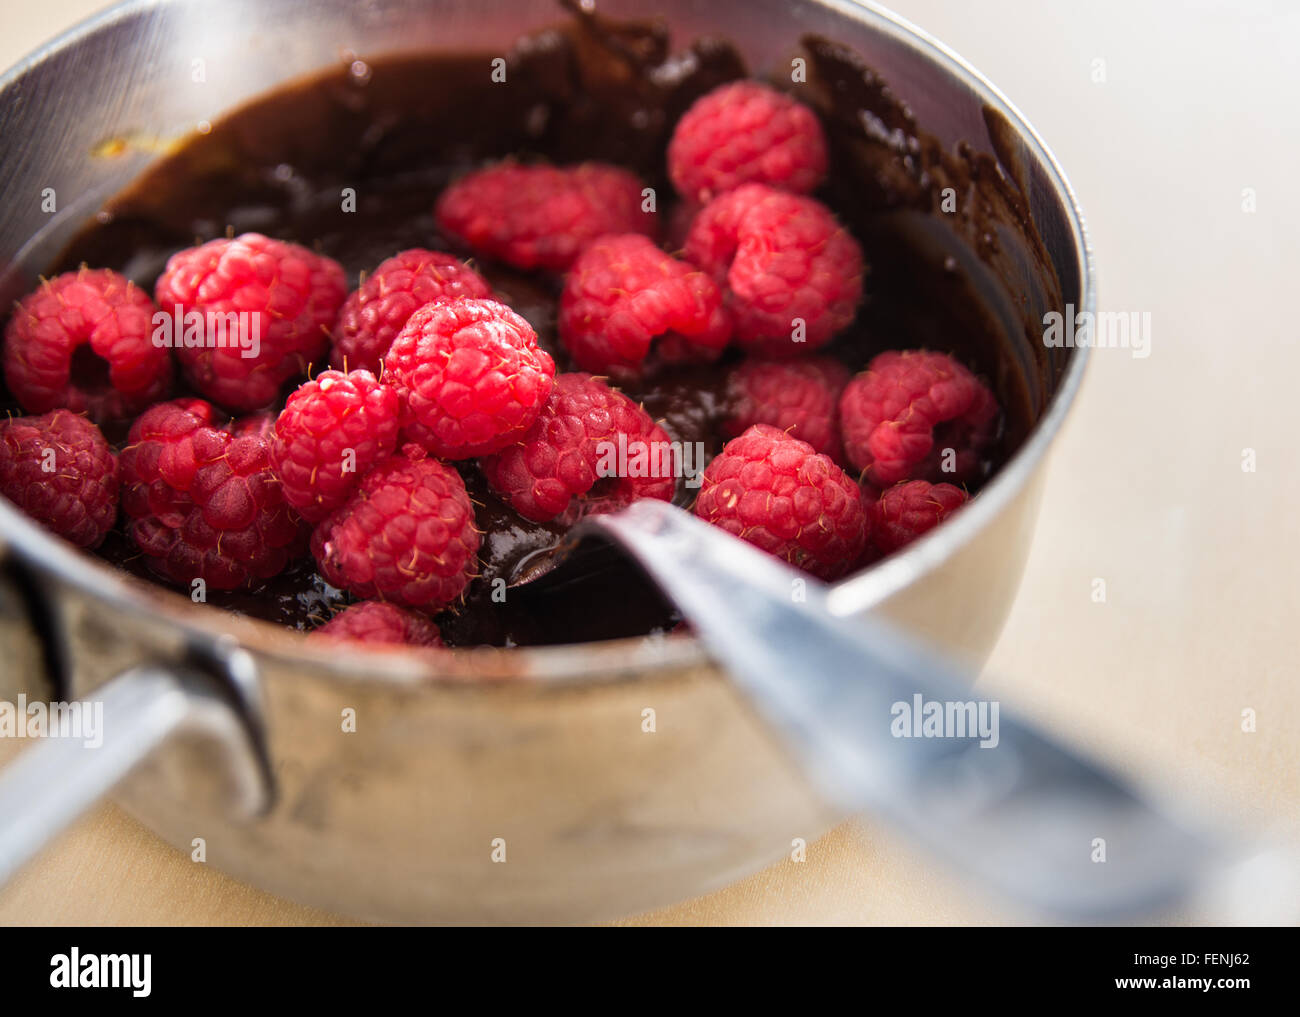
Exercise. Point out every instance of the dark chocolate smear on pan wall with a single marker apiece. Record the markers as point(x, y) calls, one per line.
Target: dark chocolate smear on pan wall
point(613, 90)
point(592, 89)
point(900, 167)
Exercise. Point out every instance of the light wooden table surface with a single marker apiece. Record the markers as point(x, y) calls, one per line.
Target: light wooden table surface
point(1147, 492)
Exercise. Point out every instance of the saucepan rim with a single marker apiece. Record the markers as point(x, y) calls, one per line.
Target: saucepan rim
point(613, 660)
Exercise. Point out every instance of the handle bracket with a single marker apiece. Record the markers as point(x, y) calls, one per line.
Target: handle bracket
point(179, 720)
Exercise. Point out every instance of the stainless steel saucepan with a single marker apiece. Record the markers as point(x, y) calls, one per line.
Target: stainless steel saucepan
point(230, 730)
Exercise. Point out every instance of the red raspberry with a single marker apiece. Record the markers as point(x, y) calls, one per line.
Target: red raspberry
point(407, 535)
point(783, 496)
point(471, 377)
point(331, 431)
point(378, 308)
point(202, 499)
point(623, 292)
point(903, 412)
point(290, 295)
point(568, 463)
point(84, 342)
point(373, 621)
point(744, 133)
point(791, 273)
point(542, 216)
point(907, 510)
point(60, 471)
point(801, 398)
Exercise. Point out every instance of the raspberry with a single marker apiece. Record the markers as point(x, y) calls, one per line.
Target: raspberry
point(791, 273)
point(373, 621)
point(801, 398)
point(567, 465)
point(377, 309)
point(331, 431)
point(907, 510)
point(471, 377)
point(287, 297)
point(202, 499)
point(407, 534)
point(542, 216)
point(84, 342)
point(786, 498)
point(60, 471)
point(903, 413)
point(623, 292)
point(744, 133)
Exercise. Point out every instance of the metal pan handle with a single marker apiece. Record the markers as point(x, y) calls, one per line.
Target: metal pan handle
point(1017, 812)
point(62, 775)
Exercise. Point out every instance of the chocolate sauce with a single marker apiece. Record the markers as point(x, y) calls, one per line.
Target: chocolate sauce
point(396, 130)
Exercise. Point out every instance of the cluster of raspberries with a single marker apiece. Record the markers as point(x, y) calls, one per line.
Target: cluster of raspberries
point(358, 466)
point(428, 369)
point(914, 428)
point(760, 264)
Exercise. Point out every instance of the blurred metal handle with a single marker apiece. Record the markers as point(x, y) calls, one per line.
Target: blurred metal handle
point(1024, 817)
point(56, 779)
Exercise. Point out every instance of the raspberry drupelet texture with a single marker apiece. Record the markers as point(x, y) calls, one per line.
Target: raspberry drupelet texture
point(790, 273)
point(541, 217)
point(907, 510)
point(379, 624)
point(623, 294)
point(746, 132)
point(568, 464)
point(376, 310)
point(266, 307)
point(783, 496)
point(83, 341)
point(470, 376)
point(406, 536)
point(917, 415)
point(799, 397)
point(329, 434)
point(59, 470)
point(202, 500)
